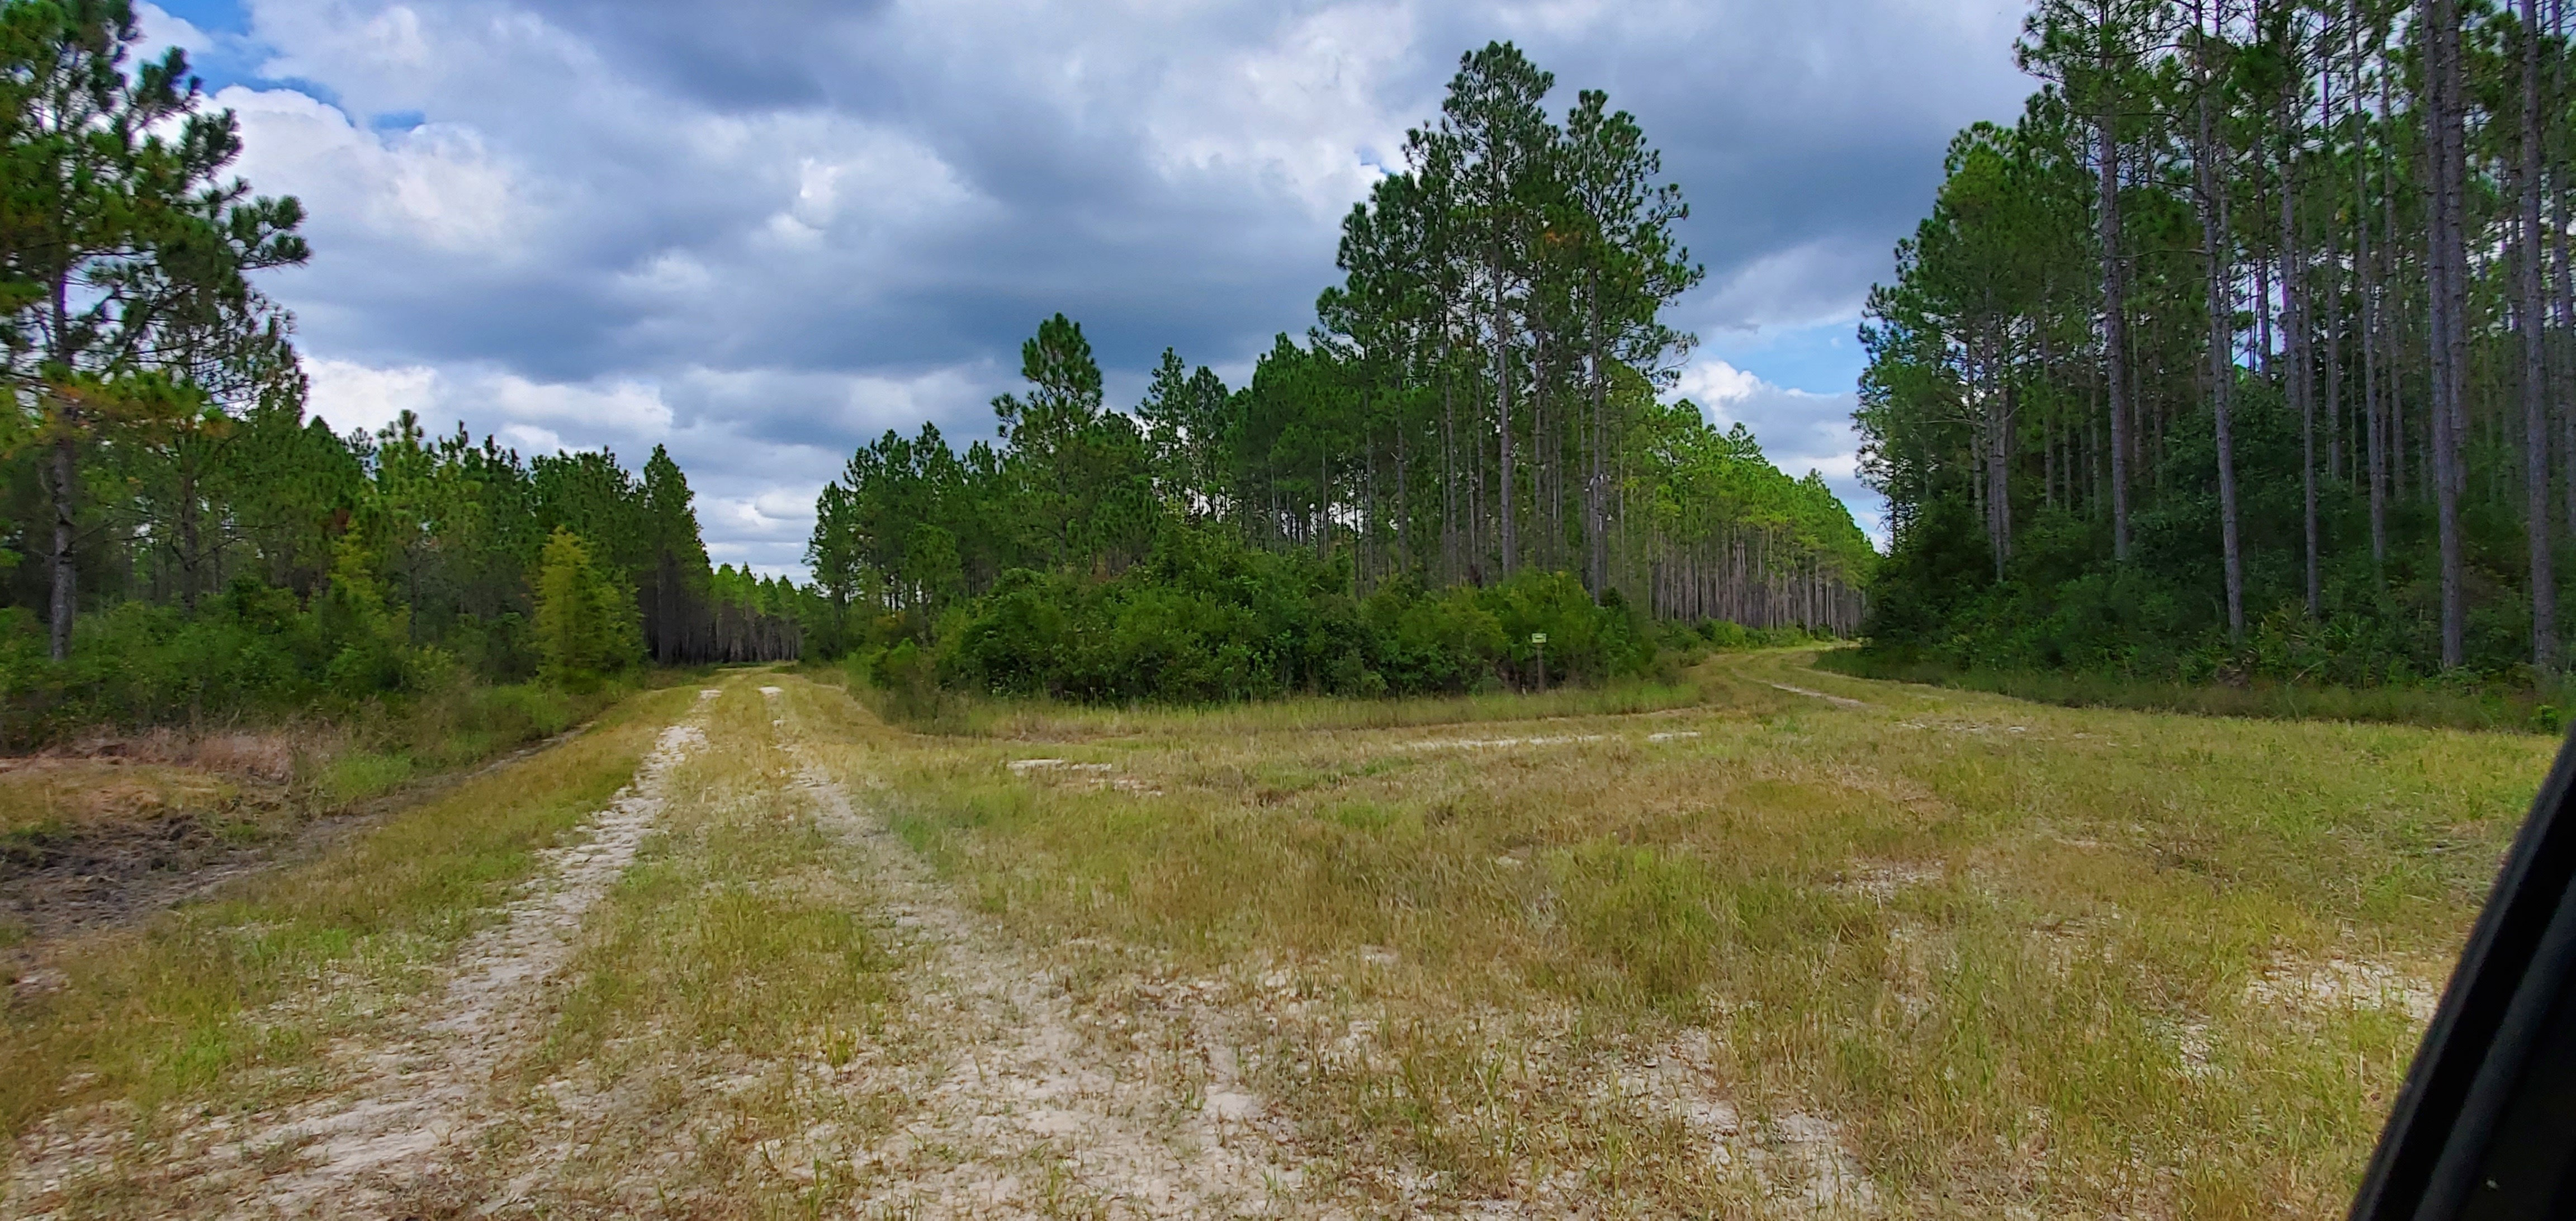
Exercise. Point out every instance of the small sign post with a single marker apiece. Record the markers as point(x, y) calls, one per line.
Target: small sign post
point(1539, 641)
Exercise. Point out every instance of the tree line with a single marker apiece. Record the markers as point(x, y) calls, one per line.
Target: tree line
point(1465, 455)
point(179, 538)
point(1476, 401)
point(2246, 348)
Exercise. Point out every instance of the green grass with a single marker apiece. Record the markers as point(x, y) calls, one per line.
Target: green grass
point(2008, 956)
point(359, 774)
point(1041, 719)
point(2432, 704)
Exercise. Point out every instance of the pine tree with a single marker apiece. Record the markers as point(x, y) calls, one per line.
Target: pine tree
point(126, 252)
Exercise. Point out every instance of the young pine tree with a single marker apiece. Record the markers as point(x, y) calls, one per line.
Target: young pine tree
point(585, 624)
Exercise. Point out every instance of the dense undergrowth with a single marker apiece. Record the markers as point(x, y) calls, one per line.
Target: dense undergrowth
point(2062, 626)
point(1208, 619)
point(2464, 702)
point(354, 710)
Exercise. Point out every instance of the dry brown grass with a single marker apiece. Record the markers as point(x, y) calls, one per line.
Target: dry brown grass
point(1913, 953)
point(1999, 955)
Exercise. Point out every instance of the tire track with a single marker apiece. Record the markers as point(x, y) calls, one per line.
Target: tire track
point(1032, 1115)
point(403, 1109)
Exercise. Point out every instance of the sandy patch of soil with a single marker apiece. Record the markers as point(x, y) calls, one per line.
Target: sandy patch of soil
point(1500, 743)
point(2341, 983)
point(1797, 1159)
point(1838, 700)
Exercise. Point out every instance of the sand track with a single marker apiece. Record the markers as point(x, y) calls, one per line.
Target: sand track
point(411, 1097)
point(1031, 1113)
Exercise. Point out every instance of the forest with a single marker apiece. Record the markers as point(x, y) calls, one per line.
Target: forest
point(1465, 457)
point(181, 542)
point(2244, 353)
point(1466, 448)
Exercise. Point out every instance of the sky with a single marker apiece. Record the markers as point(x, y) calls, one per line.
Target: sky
point(765, 231)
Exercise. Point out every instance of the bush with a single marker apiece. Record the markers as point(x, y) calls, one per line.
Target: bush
point(1208, 617)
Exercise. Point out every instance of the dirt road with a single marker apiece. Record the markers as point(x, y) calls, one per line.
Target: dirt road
point(1783, 945)
point(989, 1096)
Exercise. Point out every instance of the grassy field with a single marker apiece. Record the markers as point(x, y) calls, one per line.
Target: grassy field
point(1772, 942)
point(2007, 956)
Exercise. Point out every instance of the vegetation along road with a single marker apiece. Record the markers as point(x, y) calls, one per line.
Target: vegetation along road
point(1774, 942)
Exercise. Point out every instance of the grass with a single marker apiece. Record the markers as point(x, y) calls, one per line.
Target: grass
point(2079, 961)
point(246, 784)
point(168, 1009)
point(2430, 704)
point(1983, 956)
point(738, 948)
point(43, 803)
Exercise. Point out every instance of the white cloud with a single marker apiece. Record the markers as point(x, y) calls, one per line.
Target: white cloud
point(581, 223)
point(1800, 431)
point(434, 186)
point(161, 28)
point(617, 408)
point(536, 415)
point(1303, 112)
point(530, 439)
point(1713, 382)
point(351, 395)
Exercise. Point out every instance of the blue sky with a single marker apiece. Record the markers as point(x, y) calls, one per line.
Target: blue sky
point(764, 231)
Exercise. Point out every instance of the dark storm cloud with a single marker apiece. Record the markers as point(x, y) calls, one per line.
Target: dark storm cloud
point(762, 232)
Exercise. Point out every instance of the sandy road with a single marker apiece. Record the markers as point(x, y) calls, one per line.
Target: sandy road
point(1018, 1108)
point(1031, 1112)
point(404, 1104)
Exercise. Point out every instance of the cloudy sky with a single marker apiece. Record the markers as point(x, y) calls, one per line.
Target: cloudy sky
point(763, 231)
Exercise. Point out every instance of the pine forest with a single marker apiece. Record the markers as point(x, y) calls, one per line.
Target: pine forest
point(2245, 353)
point(1469, 445)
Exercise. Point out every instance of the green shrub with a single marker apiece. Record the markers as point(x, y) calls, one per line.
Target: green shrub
point(1207, 617)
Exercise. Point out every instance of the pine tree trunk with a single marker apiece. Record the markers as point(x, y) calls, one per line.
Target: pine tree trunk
point(1999, 467)
point(1595, 528)
point(2535, 401)
point(2115, 323)
point(2566, 294)
point(2222, 344)
point(2446, 267)
point(190, 554)
point(1503, 422)
point(2365, 262)
point(66, 574)
point(1448, 477)
point(2296, 340)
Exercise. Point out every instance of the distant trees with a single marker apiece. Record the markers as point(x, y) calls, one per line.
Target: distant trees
point(1478, 397)
point(2248, 342)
